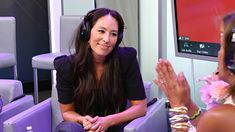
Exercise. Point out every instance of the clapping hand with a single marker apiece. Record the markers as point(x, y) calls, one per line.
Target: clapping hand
point(174, 86)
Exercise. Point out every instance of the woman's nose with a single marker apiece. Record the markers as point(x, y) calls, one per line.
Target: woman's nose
point(106, 37)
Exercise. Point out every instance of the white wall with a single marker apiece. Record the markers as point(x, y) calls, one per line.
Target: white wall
point(77, 7)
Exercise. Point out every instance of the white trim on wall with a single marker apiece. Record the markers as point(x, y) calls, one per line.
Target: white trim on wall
point(54, 13)
point(149, 40)
point(54, 7)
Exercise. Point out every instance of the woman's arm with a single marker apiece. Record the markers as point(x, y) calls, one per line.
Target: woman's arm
point(192, 110)
point(69, 114)
point(138, 108)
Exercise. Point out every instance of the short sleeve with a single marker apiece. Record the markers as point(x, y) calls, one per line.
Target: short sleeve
point(63, 67)
point(133, 83)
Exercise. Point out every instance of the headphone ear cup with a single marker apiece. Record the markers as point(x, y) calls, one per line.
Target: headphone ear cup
point(85, 30)
point(120, 36)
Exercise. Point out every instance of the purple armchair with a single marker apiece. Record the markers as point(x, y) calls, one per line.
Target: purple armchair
point(14, 108)
point(14, 101)
point(44, 116)
point(38, 116)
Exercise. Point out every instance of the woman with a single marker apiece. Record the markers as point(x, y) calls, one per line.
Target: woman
point(219, 119)
point(95, 83)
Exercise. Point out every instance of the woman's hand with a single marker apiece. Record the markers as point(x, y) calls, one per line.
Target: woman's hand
point(96, 124)
point(88, 122)
point(102, 124)
point(176, 88)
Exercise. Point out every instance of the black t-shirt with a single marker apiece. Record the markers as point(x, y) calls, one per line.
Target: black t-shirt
point(130, 73)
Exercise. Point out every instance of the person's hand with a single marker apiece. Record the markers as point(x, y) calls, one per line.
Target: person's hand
point(102, 124)
point(88, 122)
point(176, 88)
point(96, 124)
point(224, 73)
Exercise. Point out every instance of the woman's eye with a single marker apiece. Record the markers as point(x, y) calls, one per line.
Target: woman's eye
point(101, 31)
point(114, 34)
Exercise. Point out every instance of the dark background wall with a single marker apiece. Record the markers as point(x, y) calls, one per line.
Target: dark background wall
point(32, 37)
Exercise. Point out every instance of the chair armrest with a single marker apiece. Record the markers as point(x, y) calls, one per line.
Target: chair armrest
point(38, 116)
point(14, 108)
point(154, 120)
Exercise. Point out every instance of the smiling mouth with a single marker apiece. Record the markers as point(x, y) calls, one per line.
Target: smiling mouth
point(105, 45)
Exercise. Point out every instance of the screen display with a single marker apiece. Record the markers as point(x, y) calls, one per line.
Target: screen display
point(197, 26)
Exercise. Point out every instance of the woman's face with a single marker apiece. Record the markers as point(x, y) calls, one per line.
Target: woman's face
point(103, 36)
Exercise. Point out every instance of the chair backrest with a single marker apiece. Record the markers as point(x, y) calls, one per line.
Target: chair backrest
point(8, 35)
point(10, 90)
point(68, 28)
point(8, 43)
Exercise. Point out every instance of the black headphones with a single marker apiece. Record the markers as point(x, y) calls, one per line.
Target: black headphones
point(229, 56)
point(86, 28)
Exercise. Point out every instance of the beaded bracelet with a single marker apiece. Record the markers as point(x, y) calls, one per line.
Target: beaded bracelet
point(179, 120)
point(196, 114)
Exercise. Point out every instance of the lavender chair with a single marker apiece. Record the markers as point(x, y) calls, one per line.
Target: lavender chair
point(14, 101)
point(156, 119)
point(44, 117)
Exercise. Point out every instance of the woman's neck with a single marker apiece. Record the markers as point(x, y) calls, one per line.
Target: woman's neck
point(99, 65)
point(98, 59)
point(99, 69)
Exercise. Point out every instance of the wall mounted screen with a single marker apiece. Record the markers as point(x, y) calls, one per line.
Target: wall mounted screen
point(197, 27)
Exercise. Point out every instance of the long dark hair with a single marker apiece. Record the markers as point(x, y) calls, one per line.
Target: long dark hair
point(97, 97)
point(229, 26)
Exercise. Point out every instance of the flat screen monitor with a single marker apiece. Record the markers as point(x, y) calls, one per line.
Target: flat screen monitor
point(197, 27)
